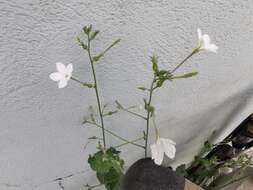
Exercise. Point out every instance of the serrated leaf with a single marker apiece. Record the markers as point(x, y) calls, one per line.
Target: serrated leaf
point(108, 166)
point(102, 162)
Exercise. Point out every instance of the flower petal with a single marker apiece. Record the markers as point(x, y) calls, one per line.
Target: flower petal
point(60, 67)
point(69, 70)
point(62, 83)
point(213, 48)
point(169, 147)
point(157, 153)
point(206, 40)
point(199, 33)
point(56, 76)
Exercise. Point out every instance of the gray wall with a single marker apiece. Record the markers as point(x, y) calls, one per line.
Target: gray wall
point(41, 137)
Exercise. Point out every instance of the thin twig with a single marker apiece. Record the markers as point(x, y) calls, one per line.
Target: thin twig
point(82, 83)
point(133, 113)
point(182, 62)
point(96, 91)
point(148, 116)
point(114, 134)
point(123, 144)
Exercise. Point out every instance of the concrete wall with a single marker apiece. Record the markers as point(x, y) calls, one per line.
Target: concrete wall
point(41, 136)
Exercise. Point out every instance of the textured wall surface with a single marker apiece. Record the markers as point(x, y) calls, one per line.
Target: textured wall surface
point(41, 136)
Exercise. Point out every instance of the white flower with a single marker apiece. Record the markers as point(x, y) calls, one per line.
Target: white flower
point(161, 147)
point(205, 43)
point(62, 75)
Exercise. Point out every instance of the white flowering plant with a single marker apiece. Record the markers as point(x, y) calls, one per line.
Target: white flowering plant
point(106, 162)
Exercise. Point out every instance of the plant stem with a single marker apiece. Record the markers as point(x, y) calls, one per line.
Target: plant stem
point(156, 129)
point(96, 91)
point(148, 116)
point(82, 83)
point(182, 62)
point(108, 48)
point(133, 113)
point(151, 90)
point(133, 141)
point(114, 134)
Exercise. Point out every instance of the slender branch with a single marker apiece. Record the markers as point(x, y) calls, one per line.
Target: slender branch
point(133, 113)
point(111, 46)
point(68, 176)
point(114, 134)
point(182, 62)
point(96, 91)
point(133, 141)
point(148, 116)
point(96, 58)
point(156, 129)
point(82, 83)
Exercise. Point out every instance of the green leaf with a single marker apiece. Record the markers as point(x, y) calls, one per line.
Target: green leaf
point(187, 75)
point(94, 34)
point(102, 162)
point(110, 113)
point(149, 108)
point(162, 72)
point(108, 167)
point(181, 170)
point(143, 88)
point(87, 29)
point(97, 57)
point(207, 146)
point(112, 180)
point(154, 61)
point(159, 83)
point(84, 46)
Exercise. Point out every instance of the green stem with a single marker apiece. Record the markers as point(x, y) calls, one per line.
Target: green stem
point(96, 91)
point(82, 83)
point(133, 141)
point(156, 129)
point(109, 47)
point(133, 113)
point(148, 116)
point(182, 62)
point(114, 134)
